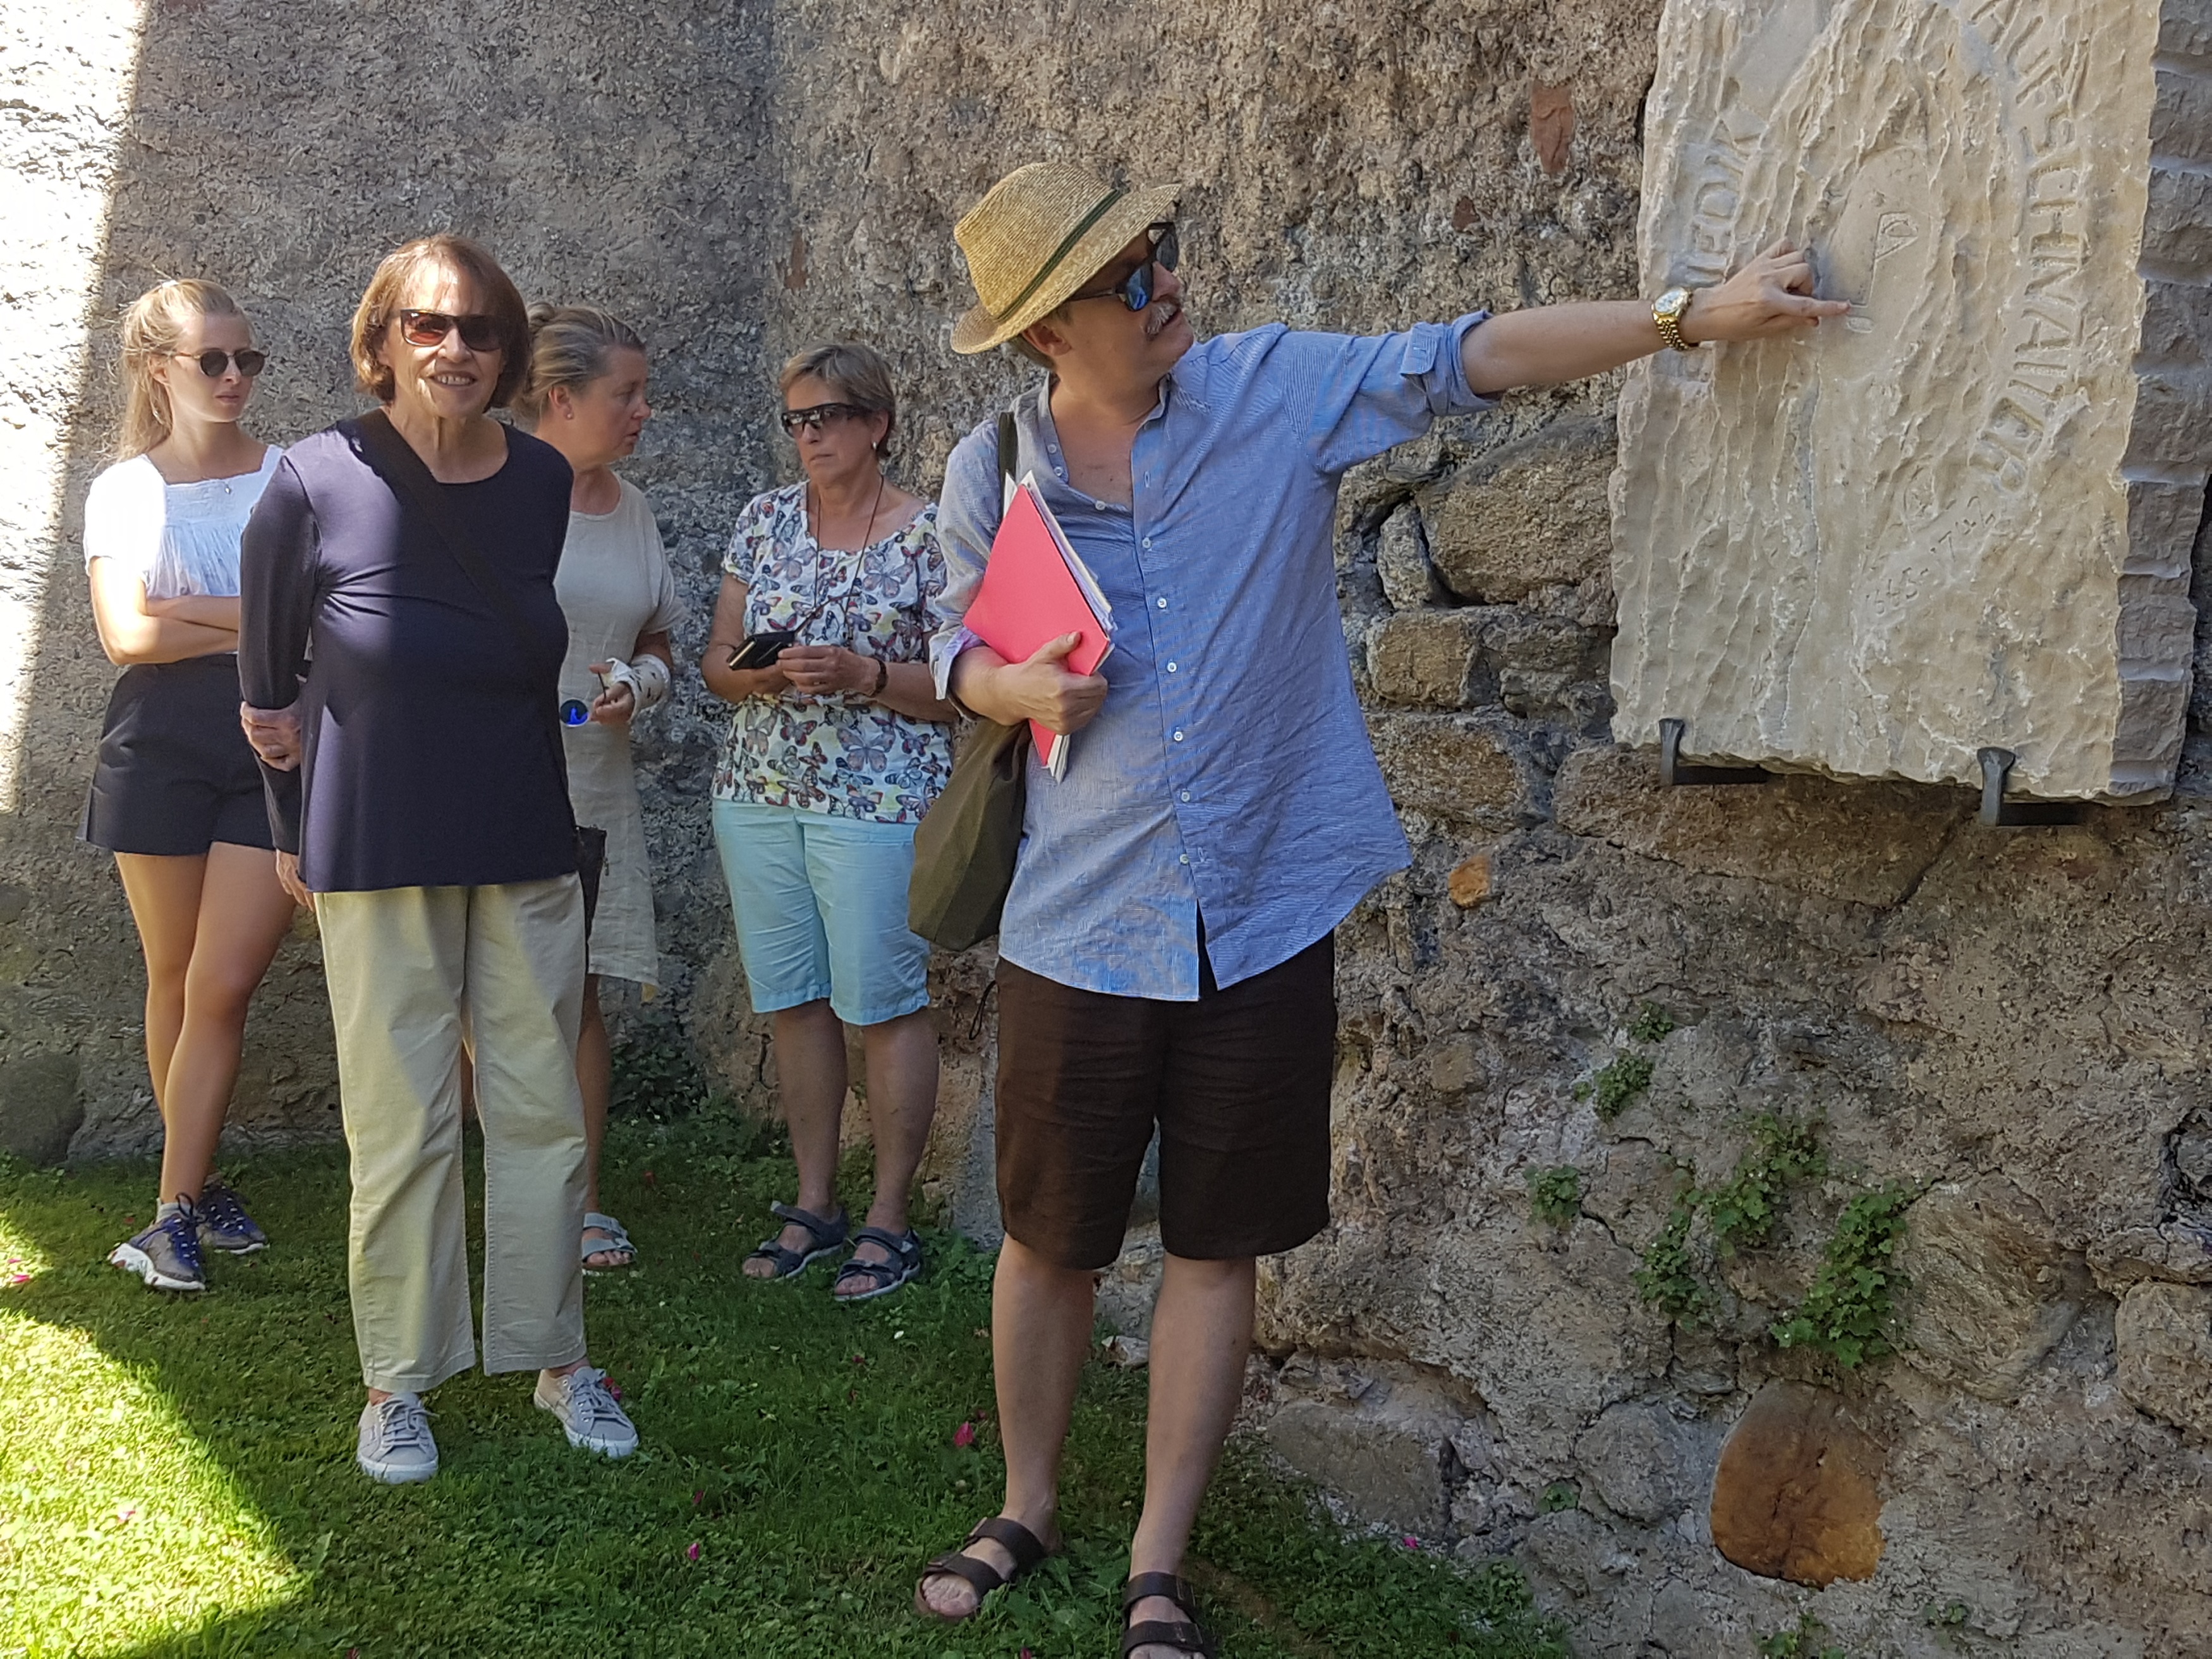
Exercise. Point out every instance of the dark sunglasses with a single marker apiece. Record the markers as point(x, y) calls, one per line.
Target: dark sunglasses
point(1135, 290)
point(427, 328)
point(819, 416)
point(215, 364)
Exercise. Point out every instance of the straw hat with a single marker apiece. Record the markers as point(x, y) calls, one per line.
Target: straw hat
point(1043, 232)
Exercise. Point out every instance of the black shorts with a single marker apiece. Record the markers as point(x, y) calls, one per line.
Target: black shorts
point(1237, 1082)
point(175, 773)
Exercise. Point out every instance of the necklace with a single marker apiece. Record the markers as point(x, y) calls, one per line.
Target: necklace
point(815, 511)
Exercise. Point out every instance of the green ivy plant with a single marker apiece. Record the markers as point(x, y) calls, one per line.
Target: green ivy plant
point(1668, 1279)
point(1616, 1085)
point(1651, 1024)
point(1743, 1210)
point(1555, 1196)
point(1560, 1495)
point(1849, 1313)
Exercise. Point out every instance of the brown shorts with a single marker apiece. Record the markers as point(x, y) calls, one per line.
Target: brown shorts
point(1237, 1082)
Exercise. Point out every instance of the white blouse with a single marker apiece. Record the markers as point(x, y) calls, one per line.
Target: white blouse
point(178, 538)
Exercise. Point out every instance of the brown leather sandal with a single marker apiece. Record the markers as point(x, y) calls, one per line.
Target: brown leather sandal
point(1183, 1633)
point(1018, 1541)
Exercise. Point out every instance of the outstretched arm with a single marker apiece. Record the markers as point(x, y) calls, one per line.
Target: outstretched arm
point(1771, 296)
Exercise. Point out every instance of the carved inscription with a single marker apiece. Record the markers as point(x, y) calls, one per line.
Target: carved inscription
point(1875, 551)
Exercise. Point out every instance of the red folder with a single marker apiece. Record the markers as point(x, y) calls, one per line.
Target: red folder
point(1034, 589)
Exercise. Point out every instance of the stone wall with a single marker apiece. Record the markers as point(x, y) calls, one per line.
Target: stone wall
point(2009, 1024)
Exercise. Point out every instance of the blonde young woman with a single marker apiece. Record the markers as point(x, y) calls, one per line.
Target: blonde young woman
point(176, 795)
point(586, 398)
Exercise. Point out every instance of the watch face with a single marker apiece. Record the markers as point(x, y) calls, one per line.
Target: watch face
point(1674, 302)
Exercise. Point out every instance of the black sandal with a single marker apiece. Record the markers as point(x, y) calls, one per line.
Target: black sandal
point(1183, 1633)
point(824, 1234)
point(878, 1277)
point(1018, 1541)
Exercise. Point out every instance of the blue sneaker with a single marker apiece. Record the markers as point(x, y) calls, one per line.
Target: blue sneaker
point(166, 1255)
point(224, 1223)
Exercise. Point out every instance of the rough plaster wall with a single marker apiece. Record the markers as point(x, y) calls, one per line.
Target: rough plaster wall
point(2018, 1016)
point(610, 157)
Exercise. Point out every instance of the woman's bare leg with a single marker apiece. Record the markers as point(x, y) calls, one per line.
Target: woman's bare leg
point(810, 1072)
point(243, 915)
point(902, 1057)
point(164, 904)
point(595, 1076)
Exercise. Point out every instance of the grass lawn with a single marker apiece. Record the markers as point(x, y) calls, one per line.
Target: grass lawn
point(176, 1474)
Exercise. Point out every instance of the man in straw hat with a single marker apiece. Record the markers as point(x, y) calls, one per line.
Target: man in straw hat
point(1165, 958)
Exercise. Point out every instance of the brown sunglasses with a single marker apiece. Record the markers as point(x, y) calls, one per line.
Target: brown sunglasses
point(428, 328)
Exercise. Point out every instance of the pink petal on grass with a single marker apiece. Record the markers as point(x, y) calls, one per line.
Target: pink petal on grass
point(614, 1388)
point(691, 1553)
point(964, 1436)
point(19, 1279)
point(1410, 1541)
point(697, 1498)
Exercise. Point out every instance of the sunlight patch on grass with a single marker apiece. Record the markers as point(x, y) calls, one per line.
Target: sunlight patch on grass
point(21, 1260)
point(114, 1524)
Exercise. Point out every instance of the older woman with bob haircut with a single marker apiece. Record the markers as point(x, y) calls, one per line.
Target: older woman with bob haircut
point(398, 594)
point(821, 638)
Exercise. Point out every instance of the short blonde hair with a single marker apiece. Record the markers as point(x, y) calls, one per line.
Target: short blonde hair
point(856, 373)
point(569, 346)
point(153, 328)
point(496, 293)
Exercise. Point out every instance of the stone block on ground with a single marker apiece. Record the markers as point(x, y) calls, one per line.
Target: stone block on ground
point(40, 1107)
point(2163, 1340)
point(1795, 1496)
point(1956, 517)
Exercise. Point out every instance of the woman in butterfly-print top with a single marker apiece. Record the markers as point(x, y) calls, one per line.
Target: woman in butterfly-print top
point(837, 747)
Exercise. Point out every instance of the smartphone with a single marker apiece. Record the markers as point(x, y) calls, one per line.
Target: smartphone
point(761, 650)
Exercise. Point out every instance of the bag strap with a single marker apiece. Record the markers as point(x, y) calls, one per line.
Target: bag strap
point(398, 465)
point(1010, 445)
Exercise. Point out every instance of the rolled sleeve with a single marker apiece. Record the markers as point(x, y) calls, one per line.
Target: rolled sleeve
point(1370, 392)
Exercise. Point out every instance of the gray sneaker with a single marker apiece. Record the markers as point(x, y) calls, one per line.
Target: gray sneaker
point(395, 1447)
point(587, 1410)
point(167, 1255)
point(224, 1223)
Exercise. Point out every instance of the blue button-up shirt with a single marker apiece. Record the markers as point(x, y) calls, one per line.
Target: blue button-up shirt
point(1229, 774)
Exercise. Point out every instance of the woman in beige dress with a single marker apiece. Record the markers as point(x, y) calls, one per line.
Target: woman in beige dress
point(586, 398)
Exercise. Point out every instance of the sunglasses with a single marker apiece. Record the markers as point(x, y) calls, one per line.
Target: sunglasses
point(428, 328)
point(819, 416)
point(215, 364)
point(1135, 290)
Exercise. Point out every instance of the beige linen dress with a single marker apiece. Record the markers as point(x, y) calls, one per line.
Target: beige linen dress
point(614, 584)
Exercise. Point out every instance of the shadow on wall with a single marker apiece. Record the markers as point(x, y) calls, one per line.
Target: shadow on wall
point(613, 157)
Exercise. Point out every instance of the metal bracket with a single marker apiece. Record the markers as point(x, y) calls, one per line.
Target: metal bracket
point(1672, 771)
point(1996, 767)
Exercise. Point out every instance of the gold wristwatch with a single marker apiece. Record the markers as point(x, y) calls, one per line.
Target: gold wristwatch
point(1668, 311)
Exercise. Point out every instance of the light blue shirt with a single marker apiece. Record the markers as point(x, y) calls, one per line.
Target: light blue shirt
point(1229, 774)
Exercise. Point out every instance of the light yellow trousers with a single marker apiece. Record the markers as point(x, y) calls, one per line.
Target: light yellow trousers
point(414, 972)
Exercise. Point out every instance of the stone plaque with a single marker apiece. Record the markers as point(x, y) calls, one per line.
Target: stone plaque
point(1962, 515)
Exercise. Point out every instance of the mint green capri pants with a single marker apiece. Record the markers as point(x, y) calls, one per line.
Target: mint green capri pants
point(821, 909)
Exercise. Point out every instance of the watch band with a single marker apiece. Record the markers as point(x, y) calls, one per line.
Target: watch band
point(883, 677)
point(1670, 324)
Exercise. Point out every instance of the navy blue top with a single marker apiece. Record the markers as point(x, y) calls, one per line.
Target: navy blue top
point(432, 742)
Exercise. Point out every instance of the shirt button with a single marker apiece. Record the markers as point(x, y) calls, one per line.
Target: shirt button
point(1178, 737)
point(1162, 604)
point(1101, 505)
point(1186, 794)
point(1148, 541)
point(1185, 858)
point(1171, 668)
